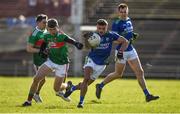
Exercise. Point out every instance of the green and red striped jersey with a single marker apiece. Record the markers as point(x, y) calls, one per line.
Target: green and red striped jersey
point(58, 48)
point(36, 38)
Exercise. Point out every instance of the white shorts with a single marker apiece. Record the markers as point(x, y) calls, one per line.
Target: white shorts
point(60, 70)
point(127, 55)
point(97, 69)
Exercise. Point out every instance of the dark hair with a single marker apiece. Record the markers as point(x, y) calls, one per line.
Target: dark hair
point(102, 22)
point(122, 6)
point(40, 17)
point(52, 23)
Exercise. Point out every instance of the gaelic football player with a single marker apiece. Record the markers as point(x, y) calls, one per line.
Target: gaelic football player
point(57, 61)
point(123, 26)
point(34, 43)
point(95, 62)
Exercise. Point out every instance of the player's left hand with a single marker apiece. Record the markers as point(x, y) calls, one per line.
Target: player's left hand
point(134, 37)
point(78, 45)
point(120, 54)
point(44, 51)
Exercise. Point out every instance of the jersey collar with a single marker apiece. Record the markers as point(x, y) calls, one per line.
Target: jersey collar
point(123, 19)
point(39, 29)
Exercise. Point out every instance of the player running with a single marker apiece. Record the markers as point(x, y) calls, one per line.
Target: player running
point(95, 62)
point(35, 41)
point(57, 60)
point(123, 26)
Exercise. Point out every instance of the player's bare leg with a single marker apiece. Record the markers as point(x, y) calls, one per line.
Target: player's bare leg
point(40, 75)
point(119, 69)
point(36, 96)
point(57, 83)
point(139, 72)
point(41, 83)
point(59, 86)
point(84, 86)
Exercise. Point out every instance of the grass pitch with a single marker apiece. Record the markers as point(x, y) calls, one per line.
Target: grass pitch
point(119, 96)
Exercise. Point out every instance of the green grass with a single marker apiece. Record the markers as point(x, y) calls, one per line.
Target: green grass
point(119, 96)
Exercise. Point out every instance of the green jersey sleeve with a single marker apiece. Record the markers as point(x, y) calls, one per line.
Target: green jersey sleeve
point(32, 40)
point(64, 37)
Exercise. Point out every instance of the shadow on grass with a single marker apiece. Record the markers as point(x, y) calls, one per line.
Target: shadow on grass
point(49, 107)
point(22, 106)
point(94, 102)
point(60, 107)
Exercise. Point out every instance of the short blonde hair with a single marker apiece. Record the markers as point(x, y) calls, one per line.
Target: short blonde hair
point(102, 22)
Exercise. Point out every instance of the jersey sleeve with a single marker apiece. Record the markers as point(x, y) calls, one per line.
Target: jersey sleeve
point(65, 37)
point(32, 40)
point(114, 26)
point(128, 36)
point(115, 36)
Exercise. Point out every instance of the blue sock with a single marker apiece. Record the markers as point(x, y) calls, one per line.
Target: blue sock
point(81, 99)
point(146, 92)
point(101, 85)
point(73, 88)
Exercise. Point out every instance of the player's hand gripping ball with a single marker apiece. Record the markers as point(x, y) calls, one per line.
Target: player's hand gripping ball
point(94, 40)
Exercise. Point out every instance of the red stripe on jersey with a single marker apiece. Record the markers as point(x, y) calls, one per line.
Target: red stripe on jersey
point(57, 45)
point(39, 42)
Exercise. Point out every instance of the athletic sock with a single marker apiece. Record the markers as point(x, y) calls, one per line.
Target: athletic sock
point(73, 88)
point(81, 99)
point(30, 96)
point(146, 92)
point(101, 85)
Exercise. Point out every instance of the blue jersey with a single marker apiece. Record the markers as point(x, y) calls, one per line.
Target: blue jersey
point(125, 29)
point(100, 54)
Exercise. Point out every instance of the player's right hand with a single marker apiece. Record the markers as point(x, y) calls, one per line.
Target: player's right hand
point(78, 45)
point(120, 54)
point(44, 53)
point(88, 34)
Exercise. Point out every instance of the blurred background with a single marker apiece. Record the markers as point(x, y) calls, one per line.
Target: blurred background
point(157, 22)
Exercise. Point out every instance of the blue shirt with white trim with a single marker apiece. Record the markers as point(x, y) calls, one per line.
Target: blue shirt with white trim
point(125, 29)
point(100, 54)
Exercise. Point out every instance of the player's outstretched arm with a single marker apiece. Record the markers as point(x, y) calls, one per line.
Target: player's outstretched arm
point(122, 41)
point(74, 42)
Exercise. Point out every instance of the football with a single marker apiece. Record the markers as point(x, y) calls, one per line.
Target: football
point(94, 40)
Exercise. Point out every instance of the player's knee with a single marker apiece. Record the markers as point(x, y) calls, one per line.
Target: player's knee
point(118, 74)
